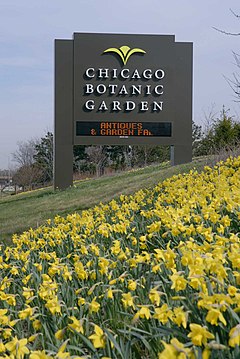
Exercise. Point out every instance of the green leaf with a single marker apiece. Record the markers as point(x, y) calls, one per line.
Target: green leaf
point(87, 342)
point(77, 349)
point(115, 343)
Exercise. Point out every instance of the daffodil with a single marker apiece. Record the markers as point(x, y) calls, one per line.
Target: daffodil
point(2, 347)
point(76, 325)
point(94, 306)
point(178, 282)
point(59, 334)
point(39, 354)
point(175, 350)
point(53, 305)
point(128, 300)
point(143, 312)
point(214, 316)
point(180, 317)
point(199, 335)
point(17, 347)
point(81, 301)
point(232, 290)
point(154, 296)
point(132, 285)
point(61, 354)
point(37, 324)
point(28, 294)
point(98, 338)
point(26, 313)
point(163, 313)
point(234, 336)
point(3, 317)
point(110, 293)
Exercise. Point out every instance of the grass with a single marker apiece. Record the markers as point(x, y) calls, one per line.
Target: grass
point(31, 209)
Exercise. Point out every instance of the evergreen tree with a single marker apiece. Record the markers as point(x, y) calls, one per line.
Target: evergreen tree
point(223, 132)
point(44, 156)
point(197, 136)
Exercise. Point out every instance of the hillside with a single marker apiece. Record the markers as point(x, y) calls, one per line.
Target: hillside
point(31, 209)
point(153, 275)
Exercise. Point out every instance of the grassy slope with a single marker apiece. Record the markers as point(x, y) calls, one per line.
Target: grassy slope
point(20, 212)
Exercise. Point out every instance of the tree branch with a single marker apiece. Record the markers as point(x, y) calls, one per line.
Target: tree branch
point(227, 33)
point(236, 15)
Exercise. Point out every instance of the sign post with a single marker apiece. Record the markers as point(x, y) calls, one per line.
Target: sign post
point(119, 89)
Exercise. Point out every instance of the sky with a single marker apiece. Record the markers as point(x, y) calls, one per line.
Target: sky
point(28, 29)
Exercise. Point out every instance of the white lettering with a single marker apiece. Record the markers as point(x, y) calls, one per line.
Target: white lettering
point(116, 106)
point(88, 74)
point(99, 87)
point(122, 73)
point(123, 90)
point(159, 74)
point(112, 89)
point(147, 74)
point(130, 105)
point(143, 106)
point(137, 88)
point(157, 106)
point(136, 75)
point(157, 91)
point(148, 90)
point(114, 73)
point(103, 73)
point(103, 106)
point(90, 105)
point(89, 88)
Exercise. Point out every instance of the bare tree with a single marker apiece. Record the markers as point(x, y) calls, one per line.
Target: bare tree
point(229, 32)
point(27, 172)
point(26, 176)
point(235, 81)
point(128, 155)
point(209, 118)
point(98, 157)
point(24, 155)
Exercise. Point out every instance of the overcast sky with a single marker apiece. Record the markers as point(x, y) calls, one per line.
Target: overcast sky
point(28, 29)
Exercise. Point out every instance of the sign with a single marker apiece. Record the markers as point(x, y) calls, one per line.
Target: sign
point(121, 89)
point(124, 129)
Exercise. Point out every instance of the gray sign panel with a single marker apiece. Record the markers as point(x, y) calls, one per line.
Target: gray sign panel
point(140, 89)
point(126, 89)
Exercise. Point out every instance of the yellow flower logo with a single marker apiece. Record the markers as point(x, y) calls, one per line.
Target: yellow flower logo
point(124, 52)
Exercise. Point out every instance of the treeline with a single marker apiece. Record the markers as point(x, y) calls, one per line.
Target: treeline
point(35, 160)
point(35, 157)
point(219, 133)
